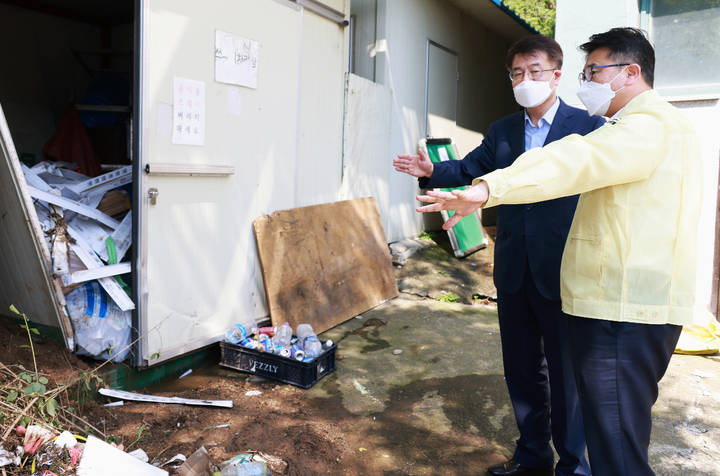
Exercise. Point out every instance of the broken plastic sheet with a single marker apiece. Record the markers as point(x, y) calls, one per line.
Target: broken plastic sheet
point(86, 275)
point(122, 237)
point(108, 392)
point(102, 459)
point(104, 183)
point(75, 206)
point(91, 261)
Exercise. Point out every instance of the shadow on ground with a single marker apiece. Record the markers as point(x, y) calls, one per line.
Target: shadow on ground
point(422, 381)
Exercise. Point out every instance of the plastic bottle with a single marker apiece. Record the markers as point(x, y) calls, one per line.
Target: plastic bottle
point(309, 341)
point(252, 468)
point(241, 330)
point(283, 335)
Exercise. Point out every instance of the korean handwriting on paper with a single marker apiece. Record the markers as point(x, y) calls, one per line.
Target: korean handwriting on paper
point(245, 55)
point(189, 112)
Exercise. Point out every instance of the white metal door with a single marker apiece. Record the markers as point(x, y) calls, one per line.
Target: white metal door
point(197, 269)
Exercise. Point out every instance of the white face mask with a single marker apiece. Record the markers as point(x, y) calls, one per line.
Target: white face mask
point(597, 97)
point(532, 93)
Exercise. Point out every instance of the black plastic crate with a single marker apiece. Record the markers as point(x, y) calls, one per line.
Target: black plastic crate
point(284, 369)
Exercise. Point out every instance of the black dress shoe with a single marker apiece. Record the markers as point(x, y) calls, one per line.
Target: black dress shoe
point(511, 468)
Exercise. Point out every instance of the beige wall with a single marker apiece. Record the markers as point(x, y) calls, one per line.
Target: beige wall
point(484, 93)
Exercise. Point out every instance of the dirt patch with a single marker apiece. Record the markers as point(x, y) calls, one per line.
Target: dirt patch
point(313, 435)
point(435, 273)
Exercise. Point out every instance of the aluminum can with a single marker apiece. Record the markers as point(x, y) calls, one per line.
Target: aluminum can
point(284, 352)
point(265, 344)
point(297, 352)
point(249, 342)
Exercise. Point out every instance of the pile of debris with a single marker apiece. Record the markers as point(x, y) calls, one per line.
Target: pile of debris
point(87, 223)
point(44, 453)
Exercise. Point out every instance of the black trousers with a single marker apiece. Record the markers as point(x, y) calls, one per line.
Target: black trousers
point(540, 380)
point(617, 367)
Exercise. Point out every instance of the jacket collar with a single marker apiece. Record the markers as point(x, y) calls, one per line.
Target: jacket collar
point(641, 101)
point(559, 128)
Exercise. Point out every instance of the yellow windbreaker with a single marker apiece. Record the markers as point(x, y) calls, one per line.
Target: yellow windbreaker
point(631, 251)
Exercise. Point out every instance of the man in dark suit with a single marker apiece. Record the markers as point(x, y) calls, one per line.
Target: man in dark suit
point(528, 251)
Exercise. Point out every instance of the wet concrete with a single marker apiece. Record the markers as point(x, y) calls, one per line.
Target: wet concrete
point(450, 369)
point(419, 382)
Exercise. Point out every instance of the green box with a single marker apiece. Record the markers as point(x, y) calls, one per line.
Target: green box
point(468, 235)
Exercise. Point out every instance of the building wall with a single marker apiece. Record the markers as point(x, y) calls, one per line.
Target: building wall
point(576, 21)
point(484, 92)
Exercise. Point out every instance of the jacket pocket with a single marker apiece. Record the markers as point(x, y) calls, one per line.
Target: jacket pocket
point(584, 261)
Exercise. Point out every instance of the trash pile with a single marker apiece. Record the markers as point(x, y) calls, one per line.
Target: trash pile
point(279, 340)
point(43, 453)
point(41, 436)
point(87, 222)
point(248, 464)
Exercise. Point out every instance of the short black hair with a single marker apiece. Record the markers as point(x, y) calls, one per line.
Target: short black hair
point(530, 45)
point(626, 45)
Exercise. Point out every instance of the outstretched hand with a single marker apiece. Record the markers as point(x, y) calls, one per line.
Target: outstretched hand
point(462, 202)
point(415, 165)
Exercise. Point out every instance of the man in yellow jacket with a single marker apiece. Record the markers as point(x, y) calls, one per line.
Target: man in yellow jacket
point(628, 270)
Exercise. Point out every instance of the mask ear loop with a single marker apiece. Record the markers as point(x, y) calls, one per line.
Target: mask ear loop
point(555, 86)
point(621, 72)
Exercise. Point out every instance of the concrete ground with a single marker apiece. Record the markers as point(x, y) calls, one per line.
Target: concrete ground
point(453, 349)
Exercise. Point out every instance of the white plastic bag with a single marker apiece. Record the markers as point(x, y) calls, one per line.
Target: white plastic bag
point(102, 329)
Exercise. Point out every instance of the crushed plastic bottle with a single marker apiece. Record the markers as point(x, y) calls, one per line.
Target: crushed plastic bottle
point(283, 335)
point(252, 468)
point(240, 331)
point(309, 341)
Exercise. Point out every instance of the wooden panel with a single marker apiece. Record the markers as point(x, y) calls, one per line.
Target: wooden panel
point(324, 264)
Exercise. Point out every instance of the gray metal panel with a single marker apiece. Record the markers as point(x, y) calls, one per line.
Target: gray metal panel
point(24, 259)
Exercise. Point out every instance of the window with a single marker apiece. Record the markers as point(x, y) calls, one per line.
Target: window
point(686, 35)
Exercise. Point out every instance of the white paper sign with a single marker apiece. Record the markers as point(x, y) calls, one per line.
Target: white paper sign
point(188, 111)
point(236, 60)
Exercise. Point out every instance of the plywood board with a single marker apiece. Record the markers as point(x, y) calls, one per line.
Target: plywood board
point(324, 264)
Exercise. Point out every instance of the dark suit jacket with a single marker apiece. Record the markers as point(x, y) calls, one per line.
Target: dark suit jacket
point(532, 232)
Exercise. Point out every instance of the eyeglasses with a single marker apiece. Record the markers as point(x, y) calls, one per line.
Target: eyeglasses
point(587, 75)
point(535, 74)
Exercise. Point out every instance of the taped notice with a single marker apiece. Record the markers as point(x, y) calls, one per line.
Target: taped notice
point(236, 60)
point(108, 392)
point(188, 111)
point(91, 261)
point(74, 206)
